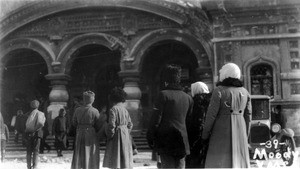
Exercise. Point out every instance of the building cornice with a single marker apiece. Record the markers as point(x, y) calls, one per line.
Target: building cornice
point(248, 38)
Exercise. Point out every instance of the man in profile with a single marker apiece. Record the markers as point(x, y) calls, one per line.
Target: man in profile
point(167, 130)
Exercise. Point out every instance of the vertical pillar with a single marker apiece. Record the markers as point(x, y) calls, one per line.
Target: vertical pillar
point(133, 105)
point(58, 96)
point(206, 77)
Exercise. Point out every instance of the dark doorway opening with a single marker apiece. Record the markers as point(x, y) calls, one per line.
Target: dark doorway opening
point(95, 68)
point(155, 58)
point(23, 80)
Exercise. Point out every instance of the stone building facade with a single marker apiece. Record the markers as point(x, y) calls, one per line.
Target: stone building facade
point(57, 49)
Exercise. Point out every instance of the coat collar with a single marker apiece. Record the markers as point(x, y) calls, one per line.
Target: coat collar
point(233, 82)
point(173, 87)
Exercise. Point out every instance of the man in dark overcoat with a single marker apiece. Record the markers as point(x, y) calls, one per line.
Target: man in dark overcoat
point(167, 131)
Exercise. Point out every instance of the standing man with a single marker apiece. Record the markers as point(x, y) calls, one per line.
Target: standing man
point(86, 120)
point(20, 126)
point(34, 133)
point(167, 130)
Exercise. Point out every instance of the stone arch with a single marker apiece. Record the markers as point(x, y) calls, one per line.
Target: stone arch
point(28, 43)
point(39, 9)
point(64, 57)
point(195, 44)
point(263, 60)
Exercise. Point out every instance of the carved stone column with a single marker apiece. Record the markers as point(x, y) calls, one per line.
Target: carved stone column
point(133, 105)
point(205, 76)
point(58, 96)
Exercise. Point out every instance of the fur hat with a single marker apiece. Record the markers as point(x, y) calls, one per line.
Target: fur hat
point(88, 97)
point(34, 104)
point(198, 88)
point(230, 70)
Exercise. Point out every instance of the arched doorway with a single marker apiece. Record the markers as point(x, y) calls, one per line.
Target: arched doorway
point(23, 79)
point(155, 58)
point(95, 68)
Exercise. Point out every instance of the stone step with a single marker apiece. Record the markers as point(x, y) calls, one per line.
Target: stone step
point(138, 136)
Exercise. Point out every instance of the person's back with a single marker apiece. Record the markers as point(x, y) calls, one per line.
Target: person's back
point(195, 123)
point(118, 153)
point(86, 121)
point(167, 131)
point(227, 122)
point(176, 107)
point(34, 133)
point(172, 133)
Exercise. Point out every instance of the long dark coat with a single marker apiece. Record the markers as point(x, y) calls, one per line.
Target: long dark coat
point(21, 123)
point(228, 119)
point(168, 126)
point(59, 129)
point(195, 123)
point(86, 153)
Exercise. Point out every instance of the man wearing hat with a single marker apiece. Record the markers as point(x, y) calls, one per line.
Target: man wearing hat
point(34, 124)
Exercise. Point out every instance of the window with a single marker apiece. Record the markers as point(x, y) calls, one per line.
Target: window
point(294, 54)
point(262, 80)
point(295, 64)
point(293, 44)
point(295, 88)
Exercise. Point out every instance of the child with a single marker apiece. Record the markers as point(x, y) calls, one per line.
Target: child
point(59, 130)
point(4, 137)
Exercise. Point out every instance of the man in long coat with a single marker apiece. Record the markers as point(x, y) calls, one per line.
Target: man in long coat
point(228, 120)
point(168, 128)
point(86, 120)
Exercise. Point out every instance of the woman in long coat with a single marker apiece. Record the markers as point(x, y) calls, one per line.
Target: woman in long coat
point(86, 120)
point(228, 120)
point(118, 153)
point(195, 123)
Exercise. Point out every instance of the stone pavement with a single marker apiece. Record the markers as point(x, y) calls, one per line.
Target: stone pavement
point(17, 160)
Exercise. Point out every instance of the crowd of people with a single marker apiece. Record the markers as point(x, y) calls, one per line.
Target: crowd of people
point(196, 130)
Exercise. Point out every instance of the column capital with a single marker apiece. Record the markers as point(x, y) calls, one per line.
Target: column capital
point(58, 78)
point(130, 76)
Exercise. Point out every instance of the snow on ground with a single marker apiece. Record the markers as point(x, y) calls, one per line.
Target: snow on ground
point(17, 160)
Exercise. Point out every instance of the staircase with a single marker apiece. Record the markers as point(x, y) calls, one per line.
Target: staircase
point(139, 138)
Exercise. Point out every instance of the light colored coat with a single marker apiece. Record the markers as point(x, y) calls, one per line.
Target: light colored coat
point(86, 153)
point(118, 153)
point(228, 119)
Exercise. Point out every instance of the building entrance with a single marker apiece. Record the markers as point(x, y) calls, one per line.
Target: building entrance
point(95, 68)
point(23, 79)
point(156, 57)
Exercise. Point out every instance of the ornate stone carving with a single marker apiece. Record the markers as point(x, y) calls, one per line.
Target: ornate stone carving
point(129, 24)
point(263, 52)
point(56, 28)
point(260, 41)
point(199, 23)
